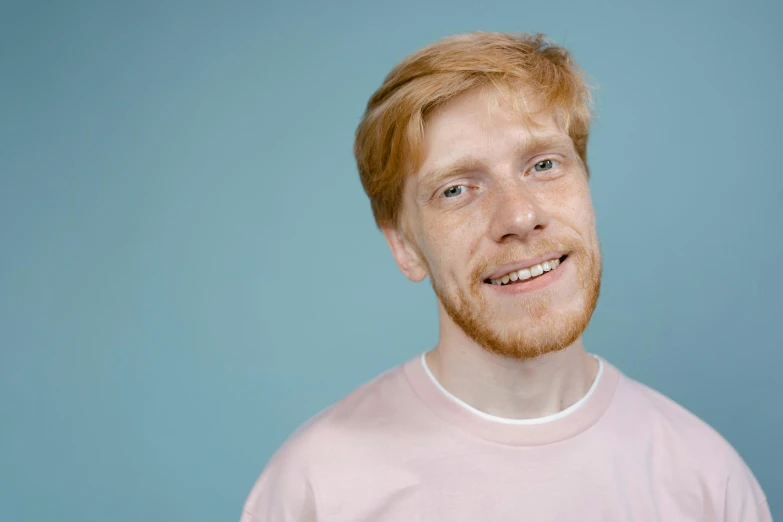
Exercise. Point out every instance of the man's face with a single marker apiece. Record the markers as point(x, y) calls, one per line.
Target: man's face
point(493, 200)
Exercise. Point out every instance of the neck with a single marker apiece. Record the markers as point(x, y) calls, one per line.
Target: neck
point(512, 388)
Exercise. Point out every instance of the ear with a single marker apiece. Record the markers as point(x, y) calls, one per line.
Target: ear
point(407, 256)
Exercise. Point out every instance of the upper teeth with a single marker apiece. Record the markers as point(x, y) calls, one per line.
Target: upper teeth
point(527, 273)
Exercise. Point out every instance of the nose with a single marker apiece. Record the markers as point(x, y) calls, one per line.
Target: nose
point(517, 215)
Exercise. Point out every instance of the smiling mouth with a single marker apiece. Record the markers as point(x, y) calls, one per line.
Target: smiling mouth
point(527, 274)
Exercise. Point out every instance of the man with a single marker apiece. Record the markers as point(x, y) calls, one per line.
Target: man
point(472, 153)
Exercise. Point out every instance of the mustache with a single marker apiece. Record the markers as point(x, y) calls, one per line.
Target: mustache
point(518, 252)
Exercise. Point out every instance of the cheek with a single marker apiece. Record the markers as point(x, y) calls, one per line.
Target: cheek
point(460, 230)
point(451, 242)
point(572, 201)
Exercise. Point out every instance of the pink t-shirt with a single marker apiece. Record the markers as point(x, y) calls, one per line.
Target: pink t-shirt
point(401, 448)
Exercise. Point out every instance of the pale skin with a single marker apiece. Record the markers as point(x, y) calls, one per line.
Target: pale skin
point(493, 192)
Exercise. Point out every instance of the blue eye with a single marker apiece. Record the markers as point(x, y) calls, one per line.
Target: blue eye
point(544, 165)
point(453, 191)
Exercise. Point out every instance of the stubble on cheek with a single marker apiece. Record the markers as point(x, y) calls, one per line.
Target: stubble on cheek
point(525, 326)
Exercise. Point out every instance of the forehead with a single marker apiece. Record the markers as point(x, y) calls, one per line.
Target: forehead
point(486, 125)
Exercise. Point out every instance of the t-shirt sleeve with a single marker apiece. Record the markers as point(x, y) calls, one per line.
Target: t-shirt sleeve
point(745, 500)
point(281, 494)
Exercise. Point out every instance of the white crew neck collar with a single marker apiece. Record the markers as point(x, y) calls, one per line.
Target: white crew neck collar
point(518, 422)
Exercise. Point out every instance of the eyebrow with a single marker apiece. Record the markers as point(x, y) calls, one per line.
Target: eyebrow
point(460, 166)
point(464, 164)
point(537, 144)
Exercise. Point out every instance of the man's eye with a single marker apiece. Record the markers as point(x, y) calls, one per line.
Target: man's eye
point(456, 190)
point(544, 165)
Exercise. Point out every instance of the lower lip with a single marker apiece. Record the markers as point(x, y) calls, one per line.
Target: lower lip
point(531, 285)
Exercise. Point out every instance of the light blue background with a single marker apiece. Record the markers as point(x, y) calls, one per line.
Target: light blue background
point(189, 268)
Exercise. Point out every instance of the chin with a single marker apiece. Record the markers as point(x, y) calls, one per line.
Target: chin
point(527, 325)
point(537, 335)
point(533, 326)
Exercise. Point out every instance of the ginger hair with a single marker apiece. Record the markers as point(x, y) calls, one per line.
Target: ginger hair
point(389, 137)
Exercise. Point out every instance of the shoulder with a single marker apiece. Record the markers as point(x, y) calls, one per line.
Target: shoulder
point(677, 439)
point(672, 422)
point(325, 446)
